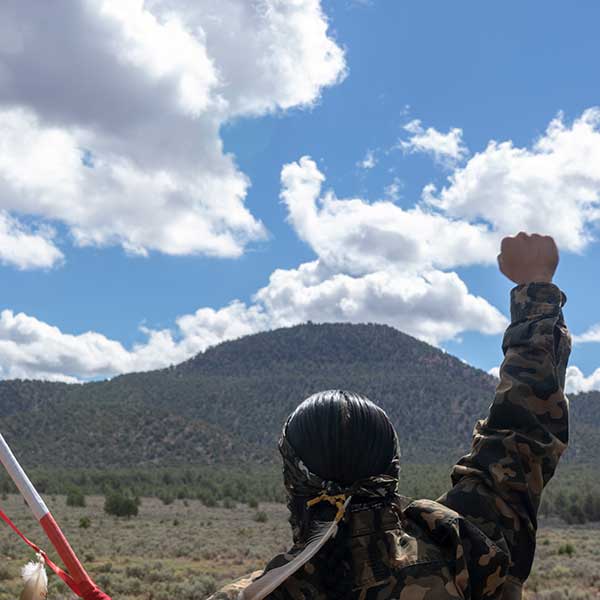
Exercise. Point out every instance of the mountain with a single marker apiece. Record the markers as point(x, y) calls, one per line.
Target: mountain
point(227, 404)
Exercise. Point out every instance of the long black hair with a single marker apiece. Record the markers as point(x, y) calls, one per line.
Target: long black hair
point(344, 438)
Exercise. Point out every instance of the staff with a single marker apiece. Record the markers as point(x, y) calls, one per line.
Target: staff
point(77, 578)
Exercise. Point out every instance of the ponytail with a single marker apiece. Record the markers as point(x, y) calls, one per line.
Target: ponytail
point(335, 565)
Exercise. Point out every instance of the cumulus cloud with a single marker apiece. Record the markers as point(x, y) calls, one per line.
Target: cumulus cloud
point(578, 382)
point(354, 236)
point(446, 148)
point(590, 336)
point(270, 54)
point(434, 306)
point(30, 348)
point(495, 372)
point(114, 201)
point(575, 383)
point(132, 155)
point(553, 188)
point(374, 261)
point(25, 248)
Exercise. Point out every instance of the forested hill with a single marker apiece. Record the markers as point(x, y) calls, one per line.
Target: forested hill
point(227, 404)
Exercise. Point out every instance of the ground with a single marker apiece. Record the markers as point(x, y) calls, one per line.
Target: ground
point(185, 550)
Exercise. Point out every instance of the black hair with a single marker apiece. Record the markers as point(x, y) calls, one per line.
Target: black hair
point(342, 437)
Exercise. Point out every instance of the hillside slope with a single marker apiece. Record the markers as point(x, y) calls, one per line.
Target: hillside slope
point(228, 404)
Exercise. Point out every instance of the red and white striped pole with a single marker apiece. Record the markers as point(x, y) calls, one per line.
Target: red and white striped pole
point(82, 580)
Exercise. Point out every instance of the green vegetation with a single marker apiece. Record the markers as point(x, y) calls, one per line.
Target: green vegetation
point(149, 556)
point(208, 484)
point(567, 549)
point(227, 405)
point(261, 517)
point(75, 498)
point(120, 505)
point(198, 442)
point(573, 495)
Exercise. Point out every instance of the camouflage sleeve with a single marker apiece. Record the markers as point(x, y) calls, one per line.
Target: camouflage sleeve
point(515, 451)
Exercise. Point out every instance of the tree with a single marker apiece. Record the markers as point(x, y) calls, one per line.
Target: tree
point(75, 498)
point(120, 505)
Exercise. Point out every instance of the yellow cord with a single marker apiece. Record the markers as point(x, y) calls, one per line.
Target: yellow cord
point(338, 501)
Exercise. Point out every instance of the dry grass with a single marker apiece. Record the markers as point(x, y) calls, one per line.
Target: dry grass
point(185, 550)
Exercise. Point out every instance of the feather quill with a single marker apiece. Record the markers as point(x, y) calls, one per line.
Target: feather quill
point(269, 582)
point(35, 579)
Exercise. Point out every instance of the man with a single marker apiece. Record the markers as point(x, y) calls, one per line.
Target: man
point(353, 538)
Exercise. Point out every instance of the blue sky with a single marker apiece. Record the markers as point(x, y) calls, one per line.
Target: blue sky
point(490, 72)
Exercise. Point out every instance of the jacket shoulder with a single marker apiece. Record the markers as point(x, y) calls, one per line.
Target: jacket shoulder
point(481, 564)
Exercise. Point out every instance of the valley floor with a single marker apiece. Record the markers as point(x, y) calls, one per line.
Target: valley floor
point(185, 550)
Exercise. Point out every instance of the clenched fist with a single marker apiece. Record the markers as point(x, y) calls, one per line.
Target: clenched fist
point(528, 258)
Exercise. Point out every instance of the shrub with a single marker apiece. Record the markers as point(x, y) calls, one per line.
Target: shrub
point(105, 568)
point(229, 503)
point(75, 498)
point(261, 517)
point(208, 500)
point(136, 572)
point(85, 522)
point(167, 498)
point(567, 549)
point(120, 505)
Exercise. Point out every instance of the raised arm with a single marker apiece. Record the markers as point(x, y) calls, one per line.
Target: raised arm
point(515, 451)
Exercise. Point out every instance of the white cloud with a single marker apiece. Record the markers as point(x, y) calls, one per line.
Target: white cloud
point(432, 306)
point(143, 98)
point(30, 348)
point(553, 188)
point(446, 148)
point(369, 161)
point(26, 249)
point(270, 54)
point(391, 278)
point(116, 201)
point(495, 372)
point(575, 383)
point(578, 382)
point(354, 236)
point(590, 336)
point(392, 192)
point(374, 262)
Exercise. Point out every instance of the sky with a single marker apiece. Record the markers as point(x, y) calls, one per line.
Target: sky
point(174, 174)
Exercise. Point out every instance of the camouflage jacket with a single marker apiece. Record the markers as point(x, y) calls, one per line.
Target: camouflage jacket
point(478, 540)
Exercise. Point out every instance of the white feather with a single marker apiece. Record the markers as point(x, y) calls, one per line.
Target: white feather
point(269, 582)
point(35, 579)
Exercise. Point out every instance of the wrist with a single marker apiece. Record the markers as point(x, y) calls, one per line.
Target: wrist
point(535, 299)
point(536, 279)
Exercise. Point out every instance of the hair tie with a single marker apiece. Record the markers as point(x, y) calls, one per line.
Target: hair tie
point(339, 501)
